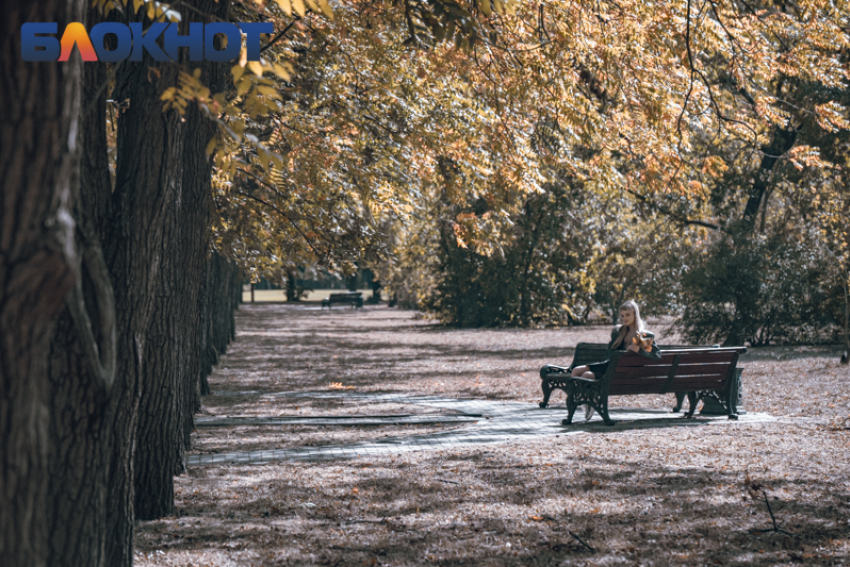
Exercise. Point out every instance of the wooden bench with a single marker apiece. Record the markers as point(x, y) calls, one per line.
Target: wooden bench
point(698, 372)
point(587, 353)
point(355, 298)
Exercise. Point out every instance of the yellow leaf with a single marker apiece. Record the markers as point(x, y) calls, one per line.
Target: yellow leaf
point(211, 147)
point(243, 86)
point(268, 91)
point(256, 67)
point(237, 72)
point(264, 157)
point(243, 56)
point(298, 6)
point(313, 6)
point(281, 72)
point(136, 5)
point(326, 8)
point(285, 6)
point(485, 7)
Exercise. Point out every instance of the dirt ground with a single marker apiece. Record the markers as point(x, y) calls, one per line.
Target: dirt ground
point(665, 496)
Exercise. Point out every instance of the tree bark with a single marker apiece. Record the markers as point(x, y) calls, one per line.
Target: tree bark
point(148, 176)
point(78, 459)
point(291, 288)
point(171, 358)
point(528, 256)
point(39, 167)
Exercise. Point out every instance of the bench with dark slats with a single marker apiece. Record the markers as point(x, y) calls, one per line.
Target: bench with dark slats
point(355, 298)
point(588, 353)
point(699, 373)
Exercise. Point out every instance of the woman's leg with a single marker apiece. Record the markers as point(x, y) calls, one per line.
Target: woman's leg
point(582, 372)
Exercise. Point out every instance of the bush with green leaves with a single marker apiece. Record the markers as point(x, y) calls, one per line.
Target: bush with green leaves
point(760, 290)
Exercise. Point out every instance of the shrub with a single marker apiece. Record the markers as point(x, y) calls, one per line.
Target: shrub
point(758, 290)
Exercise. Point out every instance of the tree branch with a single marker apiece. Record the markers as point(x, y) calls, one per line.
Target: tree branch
point(676, 217)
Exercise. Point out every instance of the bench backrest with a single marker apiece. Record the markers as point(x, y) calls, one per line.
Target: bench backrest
point(346, 296)
point(681, 370)
point(587, 353)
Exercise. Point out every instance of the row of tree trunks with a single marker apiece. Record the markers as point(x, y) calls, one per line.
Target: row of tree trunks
point(221, 297)
point(39, 166)
point(107, 322)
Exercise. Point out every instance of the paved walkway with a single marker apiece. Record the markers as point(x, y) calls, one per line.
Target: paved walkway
point(488, 422)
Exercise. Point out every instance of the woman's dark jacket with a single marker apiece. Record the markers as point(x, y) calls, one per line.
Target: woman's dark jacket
point(654, 354)
point(599, 368)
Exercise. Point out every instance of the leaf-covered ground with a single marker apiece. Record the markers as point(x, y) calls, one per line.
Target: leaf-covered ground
point(674, 496)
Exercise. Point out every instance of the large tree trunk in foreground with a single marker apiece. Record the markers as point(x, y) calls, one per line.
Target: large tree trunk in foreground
point(93, 440)
point(78, 458)
point(39, 160)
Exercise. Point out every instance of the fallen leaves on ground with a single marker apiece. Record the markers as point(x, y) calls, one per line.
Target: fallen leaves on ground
point(675, 496)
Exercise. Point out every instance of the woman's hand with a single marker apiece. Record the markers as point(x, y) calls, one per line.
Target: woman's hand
point(633, 348)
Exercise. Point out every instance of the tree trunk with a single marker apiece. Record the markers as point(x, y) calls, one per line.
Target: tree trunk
point(782, 142)
point(169, 397)
point(351, 282)
point(846, 287)
point(148, 176)
point(79, 460)
point(220, 298)
point(39, 163)
point(291, 288)
point(528, 257)
point(159, 436)
point(209, 357)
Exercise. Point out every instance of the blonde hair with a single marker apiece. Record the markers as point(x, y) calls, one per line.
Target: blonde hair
point(639, 323)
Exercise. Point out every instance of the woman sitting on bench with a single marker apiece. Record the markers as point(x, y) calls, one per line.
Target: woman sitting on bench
point(630, 335)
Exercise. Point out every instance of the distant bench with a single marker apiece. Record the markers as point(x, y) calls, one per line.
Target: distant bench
point(355, 298)
point(698, 372)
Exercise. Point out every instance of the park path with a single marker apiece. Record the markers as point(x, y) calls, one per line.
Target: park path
point(485, 421)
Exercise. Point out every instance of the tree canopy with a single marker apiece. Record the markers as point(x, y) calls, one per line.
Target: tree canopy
point(377, 126)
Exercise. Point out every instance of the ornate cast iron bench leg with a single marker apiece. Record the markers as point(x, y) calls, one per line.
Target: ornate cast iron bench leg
point(547, 391)
point(571, 409)
point(547, 388)
point(680, 399)
point(603, 412)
